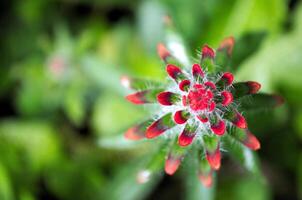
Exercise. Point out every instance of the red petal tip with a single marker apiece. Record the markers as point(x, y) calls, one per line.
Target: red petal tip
point(171, 165)
point(137, 98)
point(229, 77)
point(219, 128)
point(184, 85)
point(212, 106)
point(207, 52)
point(210, 85)
point(179, 118)
point(155, 129)
point(251, 141)
point(203, 119)
point(240, 121)
point(173, 71)
point(131, 134)
point(162, 51)
point(227, 98)
point(206, 180)
point(214, 159)
point(197, 71)
point(164, 98)
point(185, 138)
point(254, 86)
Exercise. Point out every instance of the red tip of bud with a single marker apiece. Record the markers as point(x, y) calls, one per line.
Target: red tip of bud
point(207, 52)
point(210, 85)
point(212, 106)
point(164, 98)
point(229, 77)
point(155, 129)
point(219, 128)
point(202, 118)
point(184, 85)
point(173, 71)
point(240, 121)
point(206, 179)
point(137, 98)
point(197, 71)
point(133, 134)
point(251, 141)
point(254, 87)
point(227, 98)
point(162, 51)
point(172, 165)
point(185, 138)
point(214, 159)
point(227, 43)
point(179, 117)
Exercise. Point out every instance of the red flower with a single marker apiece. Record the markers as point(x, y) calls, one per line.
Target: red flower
point(199, 105)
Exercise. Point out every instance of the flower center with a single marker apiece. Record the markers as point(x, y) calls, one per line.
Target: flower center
point(200, 97)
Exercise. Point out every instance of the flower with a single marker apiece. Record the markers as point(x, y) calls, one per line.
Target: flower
point(201, 103)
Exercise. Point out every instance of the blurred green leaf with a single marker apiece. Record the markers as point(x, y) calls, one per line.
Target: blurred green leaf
point(260, 102)
point(298, 123)
point(118, 142)
point(25, 195)
point(246, 157)
point(194, 190)
point(255, 15)
point(245, 46)
point(6, 190)
point(247, 187)
point(150, 23)
point(74, 104)
point(275, 59)
point(111, 114)
point(38, 140)
point(125, 186)
point(75, 180)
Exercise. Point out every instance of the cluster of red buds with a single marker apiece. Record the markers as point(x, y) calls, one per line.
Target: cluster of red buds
point(199, 105)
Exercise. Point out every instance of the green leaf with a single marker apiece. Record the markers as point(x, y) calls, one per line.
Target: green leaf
point(246, 157)
point(119, 142)
point(30, 137)
point(139, 84)
point(255, 15)
point(241, 89)
point(68, 176)
point(102, 74)
point(74, 105)
point(278, 62)
point(245, 46)
point(6, 191)
point(260, 102)
point(194, 190)
point(125, 184)
point(111, 114)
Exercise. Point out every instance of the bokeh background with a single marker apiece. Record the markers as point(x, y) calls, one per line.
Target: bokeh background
point(63, 110)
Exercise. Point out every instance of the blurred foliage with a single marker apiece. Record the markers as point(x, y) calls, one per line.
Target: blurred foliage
point(61, 100)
